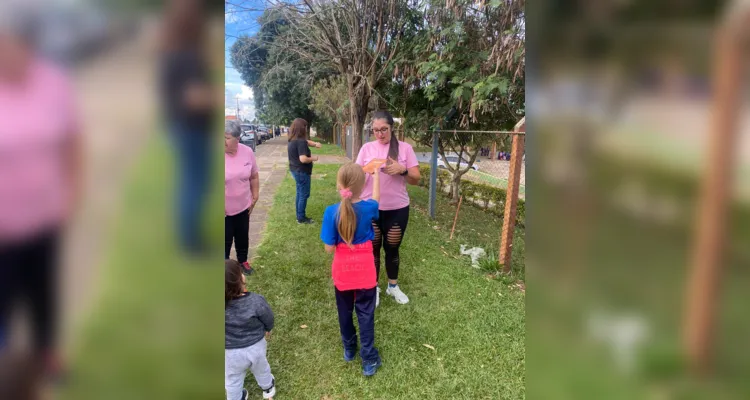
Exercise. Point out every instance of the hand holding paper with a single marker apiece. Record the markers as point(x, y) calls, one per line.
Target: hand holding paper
point(373, 165)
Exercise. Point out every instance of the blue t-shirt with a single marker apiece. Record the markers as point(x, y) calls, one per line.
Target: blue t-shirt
point(366, 211)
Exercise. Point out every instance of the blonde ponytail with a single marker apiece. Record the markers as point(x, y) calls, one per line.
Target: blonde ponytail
point(347, 221)
point(351, 180)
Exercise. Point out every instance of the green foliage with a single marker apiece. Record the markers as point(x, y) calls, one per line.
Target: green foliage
point(330, 102)
point(463, 56)
point(468, 58)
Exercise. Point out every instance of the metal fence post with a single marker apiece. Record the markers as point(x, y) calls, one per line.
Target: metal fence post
point(433, 175)
point(511, 197)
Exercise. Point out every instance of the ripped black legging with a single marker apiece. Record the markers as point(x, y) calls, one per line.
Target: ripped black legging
point(391, 226)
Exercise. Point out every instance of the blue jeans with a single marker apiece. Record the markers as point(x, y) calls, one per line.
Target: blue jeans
point(363, 302)
point(303, 193)
point(193, 155)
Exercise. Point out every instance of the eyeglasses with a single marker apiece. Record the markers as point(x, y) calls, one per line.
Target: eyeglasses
point(383, 130)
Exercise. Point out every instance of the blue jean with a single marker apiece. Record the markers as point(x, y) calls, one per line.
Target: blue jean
point(193, 156)
point(363, 302)
point(303, 193)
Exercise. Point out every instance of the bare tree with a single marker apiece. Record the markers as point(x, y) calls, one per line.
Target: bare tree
point(357, 38)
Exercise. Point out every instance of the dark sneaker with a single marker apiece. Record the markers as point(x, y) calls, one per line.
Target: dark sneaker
point(369, 368)
point(306, 221)
point(349, 355)
point(244, 394)
point(246, 268)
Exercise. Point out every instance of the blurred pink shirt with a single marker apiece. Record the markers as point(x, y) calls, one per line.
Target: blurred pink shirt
point(237, 171)
point(393, 194)
point(37, 120)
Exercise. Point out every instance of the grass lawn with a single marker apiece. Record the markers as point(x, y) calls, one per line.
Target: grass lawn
point(626, 265)
point(483, 177)
point(476, 324)
point(156, 331)
point(328, 149)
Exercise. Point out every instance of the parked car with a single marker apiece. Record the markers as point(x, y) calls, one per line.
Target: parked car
point(453, 160)
point(249, 137)
point(249, 140)
point(264, 132)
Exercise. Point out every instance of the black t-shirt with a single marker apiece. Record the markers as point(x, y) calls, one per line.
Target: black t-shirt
point(179, 69)
point(297, 148)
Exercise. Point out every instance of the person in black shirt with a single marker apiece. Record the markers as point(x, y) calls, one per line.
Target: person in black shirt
point(189, 103)
point(300, 165)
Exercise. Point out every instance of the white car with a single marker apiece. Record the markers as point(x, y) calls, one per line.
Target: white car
point(453, 160)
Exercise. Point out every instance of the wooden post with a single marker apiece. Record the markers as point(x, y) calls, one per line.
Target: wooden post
point(708, 251)
point(494, 151)
point(455, 219)
point(511, 198)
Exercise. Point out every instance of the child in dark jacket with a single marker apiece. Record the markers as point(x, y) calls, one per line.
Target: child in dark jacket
point(248, 320)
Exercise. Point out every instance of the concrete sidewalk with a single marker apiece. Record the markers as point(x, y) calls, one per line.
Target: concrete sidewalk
point(273, 164)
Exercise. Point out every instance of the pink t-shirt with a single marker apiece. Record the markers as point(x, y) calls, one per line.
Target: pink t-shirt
point(37, 122)
point(237, 171)
point(393, 194)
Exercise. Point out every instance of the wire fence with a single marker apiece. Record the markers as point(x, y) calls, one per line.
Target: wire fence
point(479, 190)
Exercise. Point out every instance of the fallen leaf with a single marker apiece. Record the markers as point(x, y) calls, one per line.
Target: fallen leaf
point(303, 326)
point(428, 346)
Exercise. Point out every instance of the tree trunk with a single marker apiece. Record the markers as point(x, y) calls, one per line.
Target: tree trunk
point(359, 98)
point(455, 186)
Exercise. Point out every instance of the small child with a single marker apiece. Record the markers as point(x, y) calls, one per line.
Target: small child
point(347, 232)
point(248, 320)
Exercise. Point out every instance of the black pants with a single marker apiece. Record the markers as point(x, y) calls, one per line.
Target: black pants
point(389, 232)
point(236, 230)
point(363, 302)
point(28, 273)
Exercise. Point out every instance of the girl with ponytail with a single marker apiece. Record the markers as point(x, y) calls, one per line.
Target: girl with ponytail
point(348, 232)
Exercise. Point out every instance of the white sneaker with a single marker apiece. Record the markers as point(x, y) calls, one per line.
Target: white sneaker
point(397, 294)
point(268, 394)
point(377, 297)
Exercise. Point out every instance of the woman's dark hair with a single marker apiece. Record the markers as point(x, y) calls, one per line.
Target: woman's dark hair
point(393, 145)
point(298, 130)
point(233, 286)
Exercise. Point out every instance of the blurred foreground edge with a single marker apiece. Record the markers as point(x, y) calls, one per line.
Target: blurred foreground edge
point(705, 276)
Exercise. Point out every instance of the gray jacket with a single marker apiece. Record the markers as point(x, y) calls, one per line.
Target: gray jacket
point(246, 321)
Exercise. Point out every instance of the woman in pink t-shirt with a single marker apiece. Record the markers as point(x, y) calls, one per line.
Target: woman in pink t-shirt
point(240, 193)
point(40, 182)
point(400, 168)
